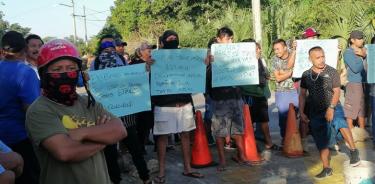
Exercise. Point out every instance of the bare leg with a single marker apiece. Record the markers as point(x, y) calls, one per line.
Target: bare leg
point(350, 123)
point(161, 148)
point(361, 122)
point(324, 156)
point(347, 134)
point(220, 150)
point(185, 143)
point(240, 149)
point(266, 132)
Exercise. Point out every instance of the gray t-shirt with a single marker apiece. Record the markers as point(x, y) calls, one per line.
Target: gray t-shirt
point(320, 88)
point(280, 64)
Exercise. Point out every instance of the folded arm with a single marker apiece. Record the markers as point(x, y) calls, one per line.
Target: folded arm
point(109, 132)
point(65, 149)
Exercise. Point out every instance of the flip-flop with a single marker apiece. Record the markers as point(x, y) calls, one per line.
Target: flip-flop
point(193, 175)
point(159, 180)
point(275, 147)
point(221, 169)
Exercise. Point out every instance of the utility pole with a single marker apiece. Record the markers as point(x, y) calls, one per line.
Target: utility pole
point(257, 21)
point(84, 19)
point(74, 22)
point(74, 18)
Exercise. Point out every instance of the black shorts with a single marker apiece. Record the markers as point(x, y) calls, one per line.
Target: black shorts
point(258, 108)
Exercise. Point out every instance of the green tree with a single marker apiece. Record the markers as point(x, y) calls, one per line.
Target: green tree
point(6, 26)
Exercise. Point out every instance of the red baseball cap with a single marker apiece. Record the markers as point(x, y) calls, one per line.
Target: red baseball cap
point(310, 32)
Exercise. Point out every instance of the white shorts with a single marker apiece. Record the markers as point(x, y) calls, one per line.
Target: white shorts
point(169, 120)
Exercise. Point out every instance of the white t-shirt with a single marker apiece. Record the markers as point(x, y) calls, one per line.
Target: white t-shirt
point(33, 67)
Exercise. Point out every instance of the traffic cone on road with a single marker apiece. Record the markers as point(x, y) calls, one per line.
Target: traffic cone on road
point(250, 147)
point(200, 153)
point(292, 142)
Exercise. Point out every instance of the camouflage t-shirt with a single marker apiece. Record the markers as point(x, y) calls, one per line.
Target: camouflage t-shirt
point(280, 64)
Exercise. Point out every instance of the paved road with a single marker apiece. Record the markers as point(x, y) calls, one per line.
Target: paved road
point(278, 169)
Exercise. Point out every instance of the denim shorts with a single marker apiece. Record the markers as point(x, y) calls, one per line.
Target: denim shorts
point(323, 131)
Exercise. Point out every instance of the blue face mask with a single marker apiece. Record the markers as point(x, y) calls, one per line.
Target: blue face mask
point(107, 44)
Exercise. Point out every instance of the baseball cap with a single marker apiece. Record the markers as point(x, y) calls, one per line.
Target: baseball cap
point(119, 42)
point(310, 32)
point(356, 34)
point(13, 42)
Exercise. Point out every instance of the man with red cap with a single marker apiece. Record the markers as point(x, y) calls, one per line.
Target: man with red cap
point(69, 131)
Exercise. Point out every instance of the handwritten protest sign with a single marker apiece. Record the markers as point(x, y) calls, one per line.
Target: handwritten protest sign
point(303, 63)
point(178, 71)
point(370, 63)
point(235, 64)
point(122, 90)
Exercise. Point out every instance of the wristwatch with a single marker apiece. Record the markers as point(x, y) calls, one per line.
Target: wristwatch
point(332, 106)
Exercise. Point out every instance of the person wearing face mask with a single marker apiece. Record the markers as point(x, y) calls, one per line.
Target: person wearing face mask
point(173, 111)
point(226, 106)
point(69, 131)
point(19, 88)
point(33, 42)
point(109, 58)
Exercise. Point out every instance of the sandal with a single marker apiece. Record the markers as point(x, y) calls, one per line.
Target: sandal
point(193, 175)
point(275, 147)
point(221, 169)
point(159, 180)
point(246, 163)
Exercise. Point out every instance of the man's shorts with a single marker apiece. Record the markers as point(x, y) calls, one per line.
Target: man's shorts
point(227, 117)
point(170, 120)
point(322, 130)
point(354, 105)
point(258, 108)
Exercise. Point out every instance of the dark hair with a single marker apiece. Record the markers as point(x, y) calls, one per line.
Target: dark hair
point(13, 42)
point(33, 36)
point(224, 31)
point(248, 40)
point(106, 36)
point(279, 41)
point(336, 37)
point(317, 48)
point(372, 40)
point(251, 41)
point(212, 41)
point(98, 49)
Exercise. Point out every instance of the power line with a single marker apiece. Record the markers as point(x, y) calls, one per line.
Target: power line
point(98, 12)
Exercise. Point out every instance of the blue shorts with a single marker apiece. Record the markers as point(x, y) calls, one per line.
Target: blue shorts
point(325, 133)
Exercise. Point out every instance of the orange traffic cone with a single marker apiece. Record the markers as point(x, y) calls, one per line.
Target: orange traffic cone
point(200, 153)
point(250, 148)
point(292, 142)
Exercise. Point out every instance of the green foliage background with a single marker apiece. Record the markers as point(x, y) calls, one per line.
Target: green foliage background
point(196, 21)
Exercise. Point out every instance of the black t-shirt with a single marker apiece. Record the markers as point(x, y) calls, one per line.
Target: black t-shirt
point(320, 88)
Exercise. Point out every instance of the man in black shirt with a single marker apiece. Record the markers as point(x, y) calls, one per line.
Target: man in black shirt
point(322, 83)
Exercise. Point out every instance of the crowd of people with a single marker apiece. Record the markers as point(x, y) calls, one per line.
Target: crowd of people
point(51, 134)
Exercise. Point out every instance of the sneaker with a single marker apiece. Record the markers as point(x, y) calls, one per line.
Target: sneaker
point(354, 158)
point(325, 173)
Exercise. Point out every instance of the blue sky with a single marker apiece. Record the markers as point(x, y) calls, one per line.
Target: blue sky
point(48, 18)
